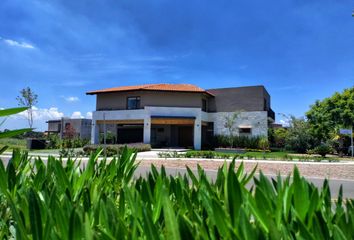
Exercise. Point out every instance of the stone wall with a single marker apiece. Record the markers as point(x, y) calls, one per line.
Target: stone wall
point(257, 120)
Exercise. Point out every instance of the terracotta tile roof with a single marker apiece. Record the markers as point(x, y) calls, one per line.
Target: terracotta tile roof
point(154, 87)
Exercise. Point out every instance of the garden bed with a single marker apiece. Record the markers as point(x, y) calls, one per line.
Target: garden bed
point(284, 156)
point(114, 149)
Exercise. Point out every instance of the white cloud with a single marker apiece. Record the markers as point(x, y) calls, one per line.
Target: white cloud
point(71, 99)
point(42, 113)
point(89, 115)
point(77, 114)
point(285, 123)
point(14, 43)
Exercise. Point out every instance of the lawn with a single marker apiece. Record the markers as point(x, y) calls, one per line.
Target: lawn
point(13, 143)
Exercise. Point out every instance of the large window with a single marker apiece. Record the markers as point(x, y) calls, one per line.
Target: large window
point(133, 103)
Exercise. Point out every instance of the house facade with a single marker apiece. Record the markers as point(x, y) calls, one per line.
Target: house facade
point(79, 127)
point(179, 115)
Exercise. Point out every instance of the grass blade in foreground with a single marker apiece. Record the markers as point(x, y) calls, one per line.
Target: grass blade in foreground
point(104, 201)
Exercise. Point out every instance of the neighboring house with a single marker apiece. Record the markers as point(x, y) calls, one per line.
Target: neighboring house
point(78, 127)
point(178, 115)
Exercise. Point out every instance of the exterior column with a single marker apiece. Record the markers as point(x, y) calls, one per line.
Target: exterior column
point(147, 130)
point(94, 132)
point(197, 134)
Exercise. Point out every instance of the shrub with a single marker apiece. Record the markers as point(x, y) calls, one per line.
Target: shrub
point(112, 150)
point(54, 141)
point(323, 150)
point(238, 141)
point(299, 137)
point(110, 138)
point(280, 135)
point(263, 143)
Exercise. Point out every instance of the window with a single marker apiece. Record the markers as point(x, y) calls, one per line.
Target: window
point(204, 105)
point(245, 130)
point(133, 103)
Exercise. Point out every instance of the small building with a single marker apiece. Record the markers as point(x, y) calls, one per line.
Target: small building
point(79, 127)
point(179, 115)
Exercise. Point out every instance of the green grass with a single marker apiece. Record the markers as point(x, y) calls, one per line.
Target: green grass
point(13, 143)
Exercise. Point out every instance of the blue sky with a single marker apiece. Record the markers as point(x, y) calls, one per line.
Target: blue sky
point(299, 50)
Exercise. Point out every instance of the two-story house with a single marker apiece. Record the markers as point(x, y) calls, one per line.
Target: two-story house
point(179, 115)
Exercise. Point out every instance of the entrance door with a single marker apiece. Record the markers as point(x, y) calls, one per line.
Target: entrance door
point(185, 136)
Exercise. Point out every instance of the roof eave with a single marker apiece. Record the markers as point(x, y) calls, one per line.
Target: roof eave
point(153, 90)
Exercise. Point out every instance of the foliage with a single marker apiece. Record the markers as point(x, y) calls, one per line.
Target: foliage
point(114, 149)
point(54, 141)
point(28, 99)
point(69, 132)
point(238, 141)
point(69, 153)
point(110, 138)
point(332, 113)
point(277, 137)
point(30, 134)
point(250, 154)
point(263, 143)
point(299, 137)
point(75, 142)
point(229, 124)
point(103, 201)
point(13, 143)
point(11, 133)
point(323, 150)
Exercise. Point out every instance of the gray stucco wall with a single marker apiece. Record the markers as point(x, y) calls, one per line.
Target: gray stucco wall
point(82, 126)
point(118, 100)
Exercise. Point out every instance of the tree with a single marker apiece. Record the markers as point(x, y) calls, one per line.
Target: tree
point(28, 99)
point(69, 132)
point(279, 136)
point(299, 137)
point(229, 124)
point(332, 113)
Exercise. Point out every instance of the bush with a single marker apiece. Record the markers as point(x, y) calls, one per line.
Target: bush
point(112, 150)
point(299, 137)
point(54, 141)
point(110, 138)
point(280, 135)
point(323, 150)
point(104, 200)
point(238, 141)
point(263, 143)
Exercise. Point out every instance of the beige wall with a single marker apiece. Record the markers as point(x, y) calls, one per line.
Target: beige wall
point(118, 101)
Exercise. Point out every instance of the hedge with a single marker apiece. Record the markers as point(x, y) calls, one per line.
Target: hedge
point(114, 149)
